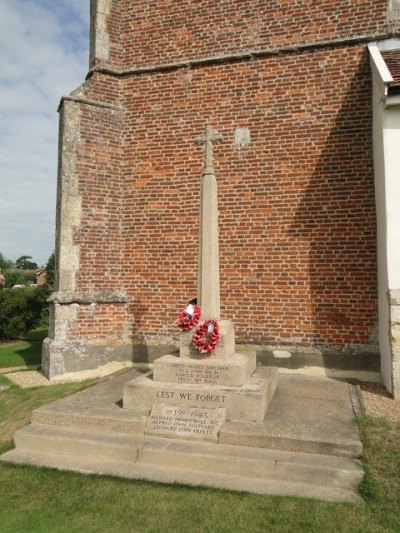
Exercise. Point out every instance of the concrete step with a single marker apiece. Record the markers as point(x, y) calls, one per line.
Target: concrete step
point(267, 435)
point(254, 463)
point(76, 441)
point(195, 463)
point(67, 417)
point(144, 471)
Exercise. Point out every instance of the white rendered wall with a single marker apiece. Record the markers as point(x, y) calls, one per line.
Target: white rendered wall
point(391, 143)
point(382, 248)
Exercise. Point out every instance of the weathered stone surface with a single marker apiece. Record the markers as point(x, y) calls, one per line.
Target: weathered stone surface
point(233, 372)
point(395, 314)
point(224, 350)
point(208, 294)
point(190, 423)
point(242, 137)
point(309, 414)
point(393, 9)
point(99, 38)
point(360, 359)
point(89, 296)
point(396, 353)
point(281, 354)
point(394, 295)
point(59, 357)
point(395, 335)
point(68, 198)
point(396, 388)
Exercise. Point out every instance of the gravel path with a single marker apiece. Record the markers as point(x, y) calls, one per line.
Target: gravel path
point(28, 378)
point(377, 400)
point(379, 403)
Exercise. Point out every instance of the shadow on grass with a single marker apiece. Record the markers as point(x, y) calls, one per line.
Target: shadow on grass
point(26, 352)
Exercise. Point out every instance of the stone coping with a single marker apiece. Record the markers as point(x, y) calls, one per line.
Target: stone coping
point(89, 296)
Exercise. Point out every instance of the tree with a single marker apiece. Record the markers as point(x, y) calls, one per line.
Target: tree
point(5, 264)
point(20, 311)
point(50, 267)
point(24, 263)
point(14, 277)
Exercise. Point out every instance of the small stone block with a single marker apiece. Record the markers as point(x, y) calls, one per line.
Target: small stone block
point(234, 371)
point(281, 354)
point(190, 423)
point(224, 350)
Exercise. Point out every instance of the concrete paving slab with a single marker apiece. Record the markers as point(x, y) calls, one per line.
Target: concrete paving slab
point(307, 414)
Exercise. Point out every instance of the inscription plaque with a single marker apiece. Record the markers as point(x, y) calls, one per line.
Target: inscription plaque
point(230, 372)
point(181, 421)
point(200, 374)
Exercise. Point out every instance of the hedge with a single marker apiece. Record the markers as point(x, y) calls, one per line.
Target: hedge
point(21, 310)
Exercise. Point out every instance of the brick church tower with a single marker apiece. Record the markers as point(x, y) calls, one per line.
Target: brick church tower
point(290, 87)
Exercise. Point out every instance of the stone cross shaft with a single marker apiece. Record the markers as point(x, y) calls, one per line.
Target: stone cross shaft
point(208, 270)
point(208, 139)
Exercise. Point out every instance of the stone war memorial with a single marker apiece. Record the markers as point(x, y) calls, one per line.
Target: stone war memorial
point(226, 245)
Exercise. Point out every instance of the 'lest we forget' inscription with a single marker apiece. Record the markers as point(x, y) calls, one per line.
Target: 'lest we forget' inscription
point(179, 421)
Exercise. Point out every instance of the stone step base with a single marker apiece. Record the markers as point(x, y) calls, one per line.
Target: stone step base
point(311, 415)
point(225, 466)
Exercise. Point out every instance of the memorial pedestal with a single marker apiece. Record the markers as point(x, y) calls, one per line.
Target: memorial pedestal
point(191, 397)
point(248, 402)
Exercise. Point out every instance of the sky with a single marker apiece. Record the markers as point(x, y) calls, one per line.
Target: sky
point(43, 56)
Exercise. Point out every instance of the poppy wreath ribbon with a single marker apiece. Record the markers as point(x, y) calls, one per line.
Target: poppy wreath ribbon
point(190, 317)
point(201, 341)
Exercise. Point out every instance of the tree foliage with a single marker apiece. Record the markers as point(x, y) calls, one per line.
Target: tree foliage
point(24, 308)
point(50, 268)
point(25, 263)
point(14, 277)
point(5, 264)
point(20, 311)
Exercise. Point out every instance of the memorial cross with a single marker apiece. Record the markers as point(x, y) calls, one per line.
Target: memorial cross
point(208, 139)
point(208, 269)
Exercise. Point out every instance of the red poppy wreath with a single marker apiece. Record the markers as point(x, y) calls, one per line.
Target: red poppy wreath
point(206, 338)
point(190, 317)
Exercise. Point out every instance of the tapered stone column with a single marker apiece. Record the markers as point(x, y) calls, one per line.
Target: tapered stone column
point(208, 295)
point(208, 270)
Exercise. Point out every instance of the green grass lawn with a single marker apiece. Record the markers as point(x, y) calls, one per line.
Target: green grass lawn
point(24, 352)
point(44, 500)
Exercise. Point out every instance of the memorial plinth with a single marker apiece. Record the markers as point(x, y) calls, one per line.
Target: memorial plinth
point(190, 396)
point(224, 350)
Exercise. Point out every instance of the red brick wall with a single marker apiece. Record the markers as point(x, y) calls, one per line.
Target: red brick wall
point(297, 221)
point(99, 164)
point(102, 322)
point(297, 224)
point(164, 31)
